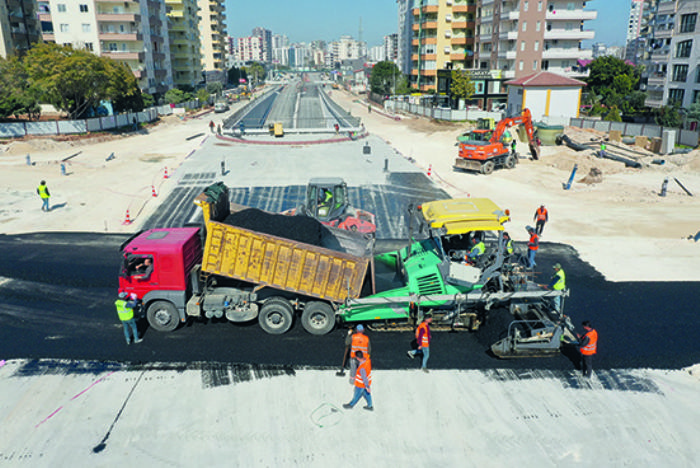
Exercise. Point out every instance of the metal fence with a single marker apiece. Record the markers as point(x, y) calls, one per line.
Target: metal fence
point(683, 137)
point(440, 113)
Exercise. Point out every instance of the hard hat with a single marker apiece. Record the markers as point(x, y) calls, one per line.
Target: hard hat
point(360, 328)
point(122, 295)
point(557, 266)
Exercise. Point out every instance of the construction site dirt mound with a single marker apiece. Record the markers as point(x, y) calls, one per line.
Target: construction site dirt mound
point(298, 228)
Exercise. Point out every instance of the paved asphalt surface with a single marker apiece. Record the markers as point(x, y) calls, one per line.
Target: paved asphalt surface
point(57, 289)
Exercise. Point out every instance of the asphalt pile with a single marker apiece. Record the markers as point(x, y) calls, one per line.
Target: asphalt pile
point(298, 228)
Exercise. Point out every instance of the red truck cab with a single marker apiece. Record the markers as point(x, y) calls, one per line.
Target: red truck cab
point(164, 290)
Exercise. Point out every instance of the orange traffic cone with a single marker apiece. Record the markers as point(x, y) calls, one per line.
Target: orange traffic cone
point(153, 191)
point(430, 170)
point(127, 220)
point(165, 174)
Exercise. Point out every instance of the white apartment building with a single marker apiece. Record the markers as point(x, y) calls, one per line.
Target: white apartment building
point(405, 35)
point(249, 49)
point(265, 36)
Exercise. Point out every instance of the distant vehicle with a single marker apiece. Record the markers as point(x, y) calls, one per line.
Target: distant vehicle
point(220, 107)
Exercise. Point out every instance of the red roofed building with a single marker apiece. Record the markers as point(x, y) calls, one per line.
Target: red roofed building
point(550, 97)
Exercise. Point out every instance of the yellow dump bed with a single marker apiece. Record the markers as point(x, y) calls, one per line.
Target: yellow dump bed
point(271, 261)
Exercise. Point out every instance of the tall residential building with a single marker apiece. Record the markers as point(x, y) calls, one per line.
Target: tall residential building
point(265, 36)
point(19, 27)
point(405, 35)
point(391, 46)
point(185, 48)
point(249, 49)
point(212, 34)
point(133, 32)
point(638, 30)
point(674, 73)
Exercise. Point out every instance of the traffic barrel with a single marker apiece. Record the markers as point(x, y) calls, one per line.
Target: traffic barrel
point(153, 191)
point(127, 219)
point(165, 174)
point(430, 170)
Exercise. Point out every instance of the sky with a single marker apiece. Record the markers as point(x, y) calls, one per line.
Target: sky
point(308, 20)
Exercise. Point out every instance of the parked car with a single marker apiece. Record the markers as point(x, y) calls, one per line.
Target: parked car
point(220, 107)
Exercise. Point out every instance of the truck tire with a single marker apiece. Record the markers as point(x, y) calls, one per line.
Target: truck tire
point(510, 162)
point(162, 316)
point(318, 318)
point(488, 167)
point(276, 316)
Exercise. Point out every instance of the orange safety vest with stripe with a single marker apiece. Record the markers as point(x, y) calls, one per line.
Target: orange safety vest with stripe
point(541, 214)
point(425, 341)
point(534, 242)
point(592, 345)
point(360, 342)
point(367, 366)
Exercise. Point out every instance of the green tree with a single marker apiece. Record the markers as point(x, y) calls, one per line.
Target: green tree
point(17, 96)
point(615, 83)
point(693, 114)
point(384, 77)
point(176, 96)
point(214, 88)
point(256, 72)
point(203, 96)
point(668, 116)
point(148, 100)
point(613, 115)
point(123, 90)
point(462, 86)
point(234, 76)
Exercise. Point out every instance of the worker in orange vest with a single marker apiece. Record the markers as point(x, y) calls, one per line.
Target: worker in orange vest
point(540, 218)
point(533, 246)
point(423, 338)
point(588, 346)
point(355, 342)
point(363, 382)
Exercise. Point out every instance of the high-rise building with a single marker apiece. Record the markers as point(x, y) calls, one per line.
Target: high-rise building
point(19, 27)
point(265, 36)
point(133, 32)
point(185, 48)
point(249, 49)
point(638, 30)
point(391, 47)
point(212, 34)
point(405, 35)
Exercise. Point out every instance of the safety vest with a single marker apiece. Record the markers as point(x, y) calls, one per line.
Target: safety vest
point(509, 246)
point(425, 341)
point(367, 366)
point(125, 313)
point(43, 191)
point(592, 345)
point(479, 248)
point(534, 243)
point(541, 214)
point(360, 342)
point(561, 281)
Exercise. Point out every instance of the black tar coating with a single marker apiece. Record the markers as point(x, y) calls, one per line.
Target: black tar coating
point(298, 228)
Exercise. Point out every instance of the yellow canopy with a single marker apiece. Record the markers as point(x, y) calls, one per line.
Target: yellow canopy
point(461, 215)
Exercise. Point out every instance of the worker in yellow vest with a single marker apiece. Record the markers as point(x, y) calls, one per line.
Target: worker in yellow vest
point(558, 283)
point(125, 310)
point(43, 191)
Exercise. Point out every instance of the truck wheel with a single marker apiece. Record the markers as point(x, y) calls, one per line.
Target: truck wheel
point(163, 316)
point(276, 316)
point(488, 167)
point(318, 318)
point(510, 162)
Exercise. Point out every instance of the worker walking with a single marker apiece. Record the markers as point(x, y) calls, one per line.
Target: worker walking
point(125, 310)
point(357, 342)
point(558, 283)
point(423, 338)
point(588, 346)
point(533, 246)
point(43, 191)
point(363, 383)
point(540, 218)
point(211, 126)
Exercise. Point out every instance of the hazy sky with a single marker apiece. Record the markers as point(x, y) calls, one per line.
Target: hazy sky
point(307, 20)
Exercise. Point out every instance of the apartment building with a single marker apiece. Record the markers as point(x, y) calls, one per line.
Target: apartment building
point(675, 54)
point(212, 33)
point(405, 35)
point(133, 32)
point(638, 29)
point(19, 27)
point(265, 36)
point(249, 49)
point(185, 47)
point(391, 46)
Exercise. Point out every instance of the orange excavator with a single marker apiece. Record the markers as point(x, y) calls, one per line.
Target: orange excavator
point(486, 155)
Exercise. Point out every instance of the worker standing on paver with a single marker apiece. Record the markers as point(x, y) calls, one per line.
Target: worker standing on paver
point(507, 245)
point(533, 246)
point(588, 346)
point(540, 218)
point(423, 338)
point(363, 383)
point(358, 341)
point(558, 283)
point(476, 251)
point(125, 310)
point(43, 191)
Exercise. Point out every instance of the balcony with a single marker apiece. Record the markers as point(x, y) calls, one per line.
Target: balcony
point(511, 15)
point(48, 37)
point(160, 74)
point(426, 9)
point(119, 17)
point(663, 33)
point(507, 54)
point(426, 25)
point(656, 80)
point(128, 55)
point(44, 17)
point(568, 15)
point(571, 53)
point(463, 24)
point(463, 8)
point(462, 40)
point(573, 34)
point(136, 36)
point(508, 35)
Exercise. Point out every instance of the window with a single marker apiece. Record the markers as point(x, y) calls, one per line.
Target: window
point(524, 26)
point(83, 8)
point(86, 27)
point(680, 72)
point(112, 46)
point(571, 6)
point(696, 97)
point(88, 46)
point(697, 74)
point(525, 5)
point(534, 65)
point(522, 46)
point(675, 96)
point(688, 23)
point(521, 65)
point(683, 49)
point(61, 7)
point(537, 27)
point(537, 46)
point(539, 5)
point(64, 28)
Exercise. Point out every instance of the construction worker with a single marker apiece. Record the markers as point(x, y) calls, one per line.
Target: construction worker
point(557, 283)
point(325, 198)
point(512, 147)
point(477, 251)
point(540, 218)
point(532, 246)
point(44, 194)
point(602, 149)
point(211, 126)
point(125, 310)
point(588, 346)
point(363, 382)
point(423, 338)
point(358, 341)
point(507, 245)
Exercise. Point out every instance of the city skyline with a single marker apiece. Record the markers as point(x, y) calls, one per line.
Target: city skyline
point(318, 20)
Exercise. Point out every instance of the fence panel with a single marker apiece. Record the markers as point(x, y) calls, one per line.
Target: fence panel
point(12, 130)
point(108, 122)
point(71, 126)
point(652, 131)
point(122, 120)
point(688, 138)
point(41, 128)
